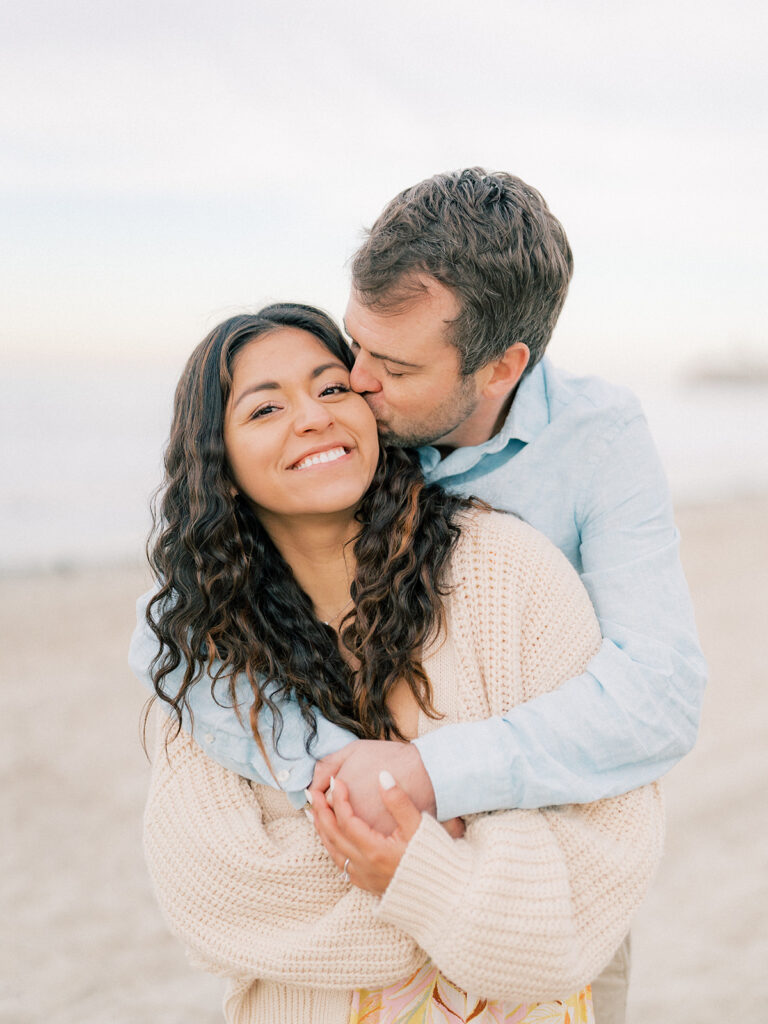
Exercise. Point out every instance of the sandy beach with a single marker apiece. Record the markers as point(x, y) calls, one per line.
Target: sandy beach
point(82, 939)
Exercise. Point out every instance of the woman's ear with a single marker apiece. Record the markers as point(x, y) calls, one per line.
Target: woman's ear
point(505, 372)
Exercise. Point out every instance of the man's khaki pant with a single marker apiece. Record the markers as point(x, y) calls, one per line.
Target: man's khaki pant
point(609, 991)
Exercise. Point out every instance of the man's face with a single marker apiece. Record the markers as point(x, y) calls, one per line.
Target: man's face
point(408, 371)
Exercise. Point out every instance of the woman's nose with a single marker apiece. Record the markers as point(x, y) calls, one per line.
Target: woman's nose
point(312, 415)
point(361, 378)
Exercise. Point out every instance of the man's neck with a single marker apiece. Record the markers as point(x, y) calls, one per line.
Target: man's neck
point(480, 426)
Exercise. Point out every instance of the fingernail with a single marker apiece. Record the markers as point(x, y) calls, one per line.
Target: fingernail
point(308, 814)
point(385, 780)
point(308, 795)
point(332, 784)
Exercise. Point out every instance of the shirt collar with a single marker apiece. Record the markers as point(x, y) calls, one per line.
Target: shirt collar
point(529, 413)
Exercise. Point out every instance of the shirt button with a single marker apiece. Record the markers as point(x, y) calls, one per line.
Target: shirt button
point(283, 775)
point(209, 737)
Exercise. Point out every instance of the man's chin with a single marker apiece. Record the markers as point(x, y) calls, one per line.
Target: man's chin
point(389, 437)
point(385, 431)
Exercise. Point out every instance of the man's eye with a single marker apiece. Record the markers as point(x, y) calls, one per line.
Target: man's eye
point(391, 373)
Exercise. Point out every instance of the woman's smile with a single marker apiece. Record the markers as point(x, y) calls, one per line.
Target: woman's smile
point(321, 457)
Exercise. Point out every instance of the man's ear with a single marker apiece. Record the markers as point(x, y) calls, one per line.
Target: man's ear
point(505, 372)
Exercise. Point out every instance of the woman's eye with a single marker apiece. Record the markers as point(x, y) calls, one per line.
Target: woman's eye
point(335, 389)
point(263, 410)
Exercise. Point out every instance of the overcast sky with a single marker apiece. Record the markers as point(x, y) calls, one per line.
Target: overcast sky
point(165, 164)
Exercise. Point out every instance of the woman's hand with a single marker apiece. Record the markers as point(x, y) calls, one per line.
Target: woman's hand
point(371, 859)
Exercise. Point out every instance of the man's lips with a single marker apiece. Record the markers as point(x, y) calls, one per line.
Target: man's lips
point(321, 456)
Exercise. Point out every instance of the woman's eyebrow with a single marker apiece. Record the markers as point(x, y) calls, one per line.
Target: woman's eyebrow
point(273, 385)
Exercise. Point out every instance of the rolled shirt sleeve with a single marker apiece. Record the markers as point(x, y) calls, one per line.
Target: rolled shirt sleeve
point(634, 712)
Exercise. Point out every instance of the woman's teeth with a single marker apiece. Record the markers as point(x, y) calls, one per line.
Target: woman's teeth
point(330, 456)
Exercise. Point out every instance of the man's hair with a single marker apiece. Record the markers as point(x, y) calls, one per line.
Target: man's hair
point(492, 240)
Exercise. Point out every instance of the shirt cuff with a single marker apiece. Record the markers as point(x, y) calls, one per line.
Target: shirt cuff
point(469, 767)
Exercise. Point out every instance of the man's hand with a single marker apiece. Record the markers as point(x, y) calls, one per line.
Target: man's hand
point(358, 765)
point(369, 858)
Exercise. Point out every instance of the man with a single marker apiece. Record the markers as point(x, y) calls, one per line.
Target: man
point(455, 294)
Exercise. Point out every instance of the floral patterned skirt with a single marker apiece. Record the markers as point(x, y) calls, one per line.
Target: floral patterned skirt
point(429, 998)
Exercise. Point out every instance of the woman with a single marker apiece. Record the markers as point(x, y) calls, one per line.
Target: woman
point(292, 549)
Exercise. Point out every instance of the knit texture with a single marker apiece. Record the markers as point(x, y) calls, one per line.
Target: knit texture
point(529, 905)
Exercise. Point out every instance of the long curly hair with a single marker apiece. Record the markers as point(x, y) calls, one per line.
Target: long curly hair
point(229, 605)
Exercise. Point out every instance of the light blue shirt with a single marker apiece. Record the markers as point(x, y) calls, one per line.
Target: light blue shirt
point(575, 459)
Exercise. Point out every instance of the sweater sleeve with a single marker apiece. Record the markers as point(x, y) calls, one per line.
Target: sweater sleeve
point(255, 897)
point(530, 904)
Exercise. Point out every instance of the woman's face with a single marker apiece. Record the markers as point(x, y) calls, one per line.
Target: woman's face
point(298, 440)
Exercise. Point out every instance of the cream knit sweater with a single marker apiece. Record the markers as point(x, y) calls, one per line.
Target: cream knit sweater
point(529, 905)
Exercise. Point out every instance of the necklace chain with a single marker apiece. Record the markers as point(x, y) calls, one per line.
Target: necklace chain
point(327, 622)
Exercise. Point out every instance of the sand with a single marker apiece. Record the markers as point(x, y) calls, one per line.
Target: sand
point(82, 940)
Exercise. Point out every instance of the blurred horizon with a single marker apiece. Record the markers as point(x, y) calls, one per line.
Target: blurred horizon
point(78, 474)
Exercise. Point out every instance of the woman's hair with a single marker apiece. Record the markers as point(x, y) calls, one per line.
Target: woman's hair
point(228, 603)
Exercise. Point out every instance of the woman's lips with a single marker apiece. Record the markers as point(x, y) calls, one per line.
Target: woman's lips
point(318, 458)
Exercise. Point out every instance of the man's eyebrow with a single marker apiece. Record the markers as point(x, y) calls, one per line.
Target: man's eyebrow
point(381, 356)
point(273, 385)
point(399, 362)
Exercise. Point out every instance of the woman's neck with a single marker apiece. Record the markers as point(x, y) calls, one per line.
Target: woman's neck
point(319, 552)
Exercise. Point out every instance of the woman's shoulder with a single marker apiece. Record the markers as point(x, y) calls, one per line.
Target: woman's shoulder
point(489, 538)
point(502, 560)
point(515, 599)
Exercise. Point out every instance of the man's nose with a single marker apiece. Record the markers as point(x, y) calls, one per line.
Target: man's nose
point(361, 378)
